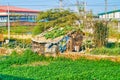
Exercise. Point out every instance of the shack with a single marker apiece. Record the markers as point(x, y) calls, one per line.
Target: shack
point(69, 42)
point(42, 45)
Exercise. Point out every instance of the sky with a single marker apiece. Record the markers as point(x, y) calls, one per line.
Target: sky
point(97, 6)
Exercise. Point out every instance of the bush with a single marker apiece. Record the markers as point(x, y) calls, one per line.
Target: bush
point(100, 34)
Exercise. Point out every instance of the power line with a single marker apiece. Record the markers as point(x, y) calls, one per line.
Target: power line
point(65, 5)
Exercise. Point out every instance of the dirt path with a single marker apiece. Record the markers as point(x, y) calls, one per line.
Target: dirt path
point(75, 56)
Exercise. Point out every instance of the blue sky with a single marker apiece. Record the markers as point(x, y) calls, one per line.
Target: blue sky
point(96, 5)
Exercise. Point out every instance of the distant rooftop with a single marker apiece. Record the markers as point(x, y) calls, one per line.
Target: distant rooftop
point(109, 12)
point(16, 9)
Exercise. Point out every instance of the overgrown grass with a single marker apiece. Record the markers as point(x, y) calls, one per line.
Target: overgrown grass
point(17, 30)
point(58, 69)
point(106, 51)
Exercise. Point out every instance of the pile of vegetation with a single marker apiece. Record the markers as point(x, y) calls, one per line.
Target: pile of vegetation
point(57, 32)
point(54, 17)
point(11, 68)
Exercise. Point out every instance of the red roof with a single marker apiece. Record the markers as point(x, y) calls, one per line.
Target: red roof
point(16, 9)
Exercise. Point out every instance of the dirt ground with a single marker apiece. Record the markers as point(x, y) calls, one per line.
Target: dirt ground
point(75, 56)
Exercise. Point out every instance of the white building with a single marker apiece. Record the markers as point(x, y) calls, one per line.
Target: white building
point(23, 15)
point(111, 15)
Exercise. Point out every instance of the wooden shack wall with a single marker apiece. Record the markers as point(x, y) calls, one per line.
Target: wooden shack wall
point(42, 48)
point(38, 47)
point(75, 41)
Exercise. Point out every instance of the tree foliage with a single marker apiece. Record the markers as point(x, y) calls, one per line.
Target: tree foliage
point(56, 17)
point(100, 33)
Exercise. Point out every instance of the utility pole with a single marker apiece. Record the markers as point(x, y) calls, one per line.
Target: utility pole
point(106, 10)
point(80, 6)
point(83, 17)
point(61, 4)
point(106, 23)
point(8, 21)
point(84, 3)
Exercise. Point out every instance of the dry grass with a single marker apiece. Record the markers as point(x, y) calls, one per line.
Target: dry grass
point(3, 51)
point(75, 56)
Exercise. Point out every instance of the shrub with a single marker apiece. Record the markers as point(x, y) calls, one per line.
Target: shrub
point(100, 33)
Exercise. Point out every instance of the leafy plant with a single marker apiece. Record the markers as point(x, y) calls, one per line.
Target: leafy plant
point(57, 32)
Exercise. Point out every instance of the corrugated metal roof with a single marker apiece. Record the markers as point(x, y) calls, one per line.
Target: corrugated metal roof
point(16, 9)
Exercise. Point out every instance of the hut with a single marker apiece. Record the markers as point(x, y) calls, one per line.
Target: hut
point(69, 42)
point(42, 45)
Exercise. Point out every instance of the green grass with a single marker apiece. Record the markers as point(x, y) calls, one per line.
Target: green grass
point(17, 30)
point(58, 68)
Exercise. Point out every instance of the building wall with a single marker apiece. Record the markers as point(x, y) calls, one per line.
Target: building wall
point(17, 16)
point(110, 15)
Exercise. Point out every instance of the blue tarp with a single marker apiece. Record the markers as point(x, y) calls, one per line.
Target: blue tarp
point(62, 44)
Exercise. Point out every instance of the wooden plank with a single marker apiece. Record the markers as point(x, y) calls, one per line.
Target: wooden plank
point(1, 37)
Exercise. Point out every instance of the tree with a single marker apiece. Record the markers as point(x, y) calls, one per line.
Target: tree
point(100, 33)
point(114, 31)
point(56, 17)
